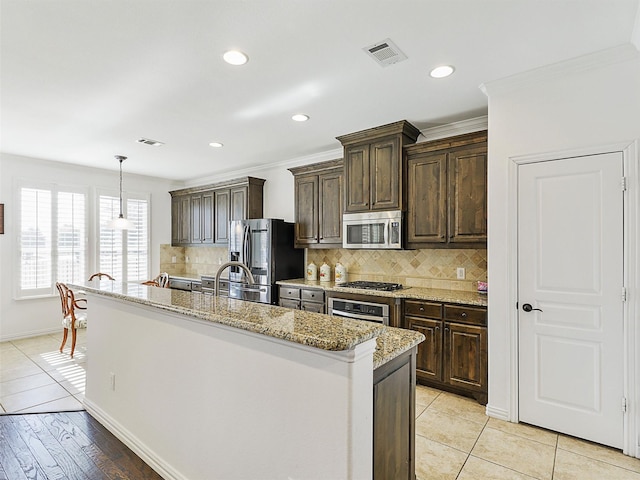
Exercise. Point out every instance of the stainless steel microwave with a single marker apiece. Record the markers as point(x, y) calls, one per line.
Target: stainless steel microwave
point(372, 230)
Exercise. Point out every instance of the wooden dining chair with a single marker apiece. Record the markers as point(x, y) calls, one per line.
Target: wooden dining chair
point(161, 280)
point(71, 319)
point(99, 276)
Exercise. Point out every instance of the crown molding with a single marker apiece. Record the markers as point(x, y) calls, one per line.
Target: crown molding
point(456, 128)
point(591, 61)
point(254, 169)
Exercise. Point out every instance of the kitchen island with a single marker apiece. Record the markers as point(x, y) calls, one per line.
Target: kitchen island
point(210, 387)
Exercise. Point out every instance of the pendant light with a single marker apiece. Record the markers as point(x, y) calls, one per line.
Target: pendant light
point(121, 223)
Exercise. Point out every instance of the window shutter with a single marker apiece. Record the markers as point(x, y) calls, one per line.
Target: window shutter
point(35, 240)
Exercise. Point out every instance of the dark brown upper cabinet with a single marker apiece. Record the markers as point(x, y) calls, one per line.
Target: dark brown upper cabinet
point(318, 204)
point(373, 167)
point(201, 215)
point(447, 192)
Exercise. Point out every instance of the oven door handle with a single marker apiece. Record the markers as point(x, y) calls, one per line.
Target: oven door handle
point(370, 318)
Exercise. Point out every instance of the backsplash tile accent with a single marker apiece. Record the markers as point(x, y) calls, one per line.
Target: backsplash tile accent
point(428, 268)
point(192, 261)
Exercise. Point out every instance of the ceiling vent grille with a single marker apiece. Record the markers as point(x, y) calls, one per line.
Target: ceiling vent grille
point(148, 141)
point(385, 53)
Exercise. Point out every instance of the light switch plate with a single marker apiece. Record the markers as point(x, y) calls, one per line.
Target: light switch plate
point(460, 273)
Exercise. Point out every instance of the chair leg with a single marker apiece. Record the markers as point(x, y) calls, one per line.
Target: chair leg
point(73, 341)
point(64, 339)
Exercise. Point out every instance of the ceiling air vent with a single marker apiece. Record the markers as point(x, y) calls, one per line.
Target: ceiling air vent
point(148, 141)
point(385, 53)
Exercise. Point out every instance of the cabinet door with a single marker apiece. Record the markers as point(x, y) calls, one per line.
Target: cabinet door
point(306, 209)
point(384, 171)
point(206, 232)
point(356, 170)
point(238, 203)
point(465, 359)
point(330, 208)
point(429, 358)
point(468, 195)
point(196, 218)
point(312, 307)
point(222, 210)
point(427, 199)
point(289, 303)
point(180, 208)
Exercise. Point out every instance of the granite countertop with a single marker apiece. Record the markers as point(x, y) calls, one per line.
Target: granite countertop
point(307, 328)
point(417, 293)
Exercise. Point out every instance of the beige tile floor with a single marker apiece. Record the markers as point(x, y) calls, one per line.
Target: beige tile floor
point(36, 377)
point(454, 438)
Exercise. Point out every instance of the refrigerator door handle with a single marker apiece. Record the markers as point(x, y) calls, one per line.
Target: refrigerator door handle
point(246, 242)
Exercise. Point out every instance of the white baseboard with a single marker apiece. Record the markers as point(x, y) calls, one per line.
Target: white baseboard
point(499, 413)
point(32, 333)
point(165, 470)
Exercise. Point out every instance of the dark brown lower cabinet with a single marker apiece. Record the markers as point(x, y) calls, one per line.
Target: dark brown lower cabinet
point(454, 354)
point(394, 386)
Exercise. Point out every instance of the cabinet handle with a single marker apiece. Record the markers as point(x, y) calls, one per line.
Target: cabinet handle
point(422, 309)
point(463, 314)
point(437, 328)
point(446, 329)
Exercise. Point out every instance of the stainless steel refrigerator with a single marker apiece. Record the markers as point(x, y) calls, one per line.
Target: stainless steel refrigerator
point(265, 246)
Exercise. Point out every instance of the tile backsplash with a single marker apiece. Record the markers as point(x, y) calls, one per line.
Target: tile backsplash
point(429, 268)
point(192, 261)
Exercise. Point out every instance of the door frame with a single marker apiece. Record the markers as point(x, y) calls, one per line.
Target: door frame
point(631, 255)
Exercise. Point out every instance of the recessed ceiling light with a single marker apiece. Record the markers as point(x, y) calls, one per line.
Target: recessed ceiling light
point(216, 144)
point(235, 57)
point(300, 117)
point(442, 71)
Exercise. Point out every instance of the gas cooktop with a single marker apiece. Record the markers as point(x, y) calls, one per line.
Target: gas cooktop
point(384, 286)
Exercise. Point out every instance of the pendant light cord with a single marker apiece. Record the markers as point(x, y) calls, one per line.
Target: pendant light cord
point(121, 159)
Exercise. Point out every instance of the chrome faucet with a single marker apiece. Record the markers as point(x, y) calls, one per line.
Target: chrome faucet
point(231, 264)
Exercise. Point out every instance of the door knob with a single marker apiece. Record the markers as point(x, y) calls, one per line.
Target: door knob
point(528, 308)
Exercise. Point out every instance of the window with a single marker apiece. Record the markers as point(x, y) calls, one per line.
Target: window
point(52, 238)
point(130, 263)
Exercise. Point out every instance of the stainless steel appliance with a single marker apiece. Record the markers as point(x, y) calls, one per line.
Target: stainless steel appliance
point(358, 310)
point(372, 230)
point(265, 246)
point(387, 287)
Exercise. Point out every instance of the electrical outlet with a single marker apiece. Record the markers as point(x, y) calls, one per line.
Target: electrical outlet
point(460, 273)
point(173, 259)
point(112, 381)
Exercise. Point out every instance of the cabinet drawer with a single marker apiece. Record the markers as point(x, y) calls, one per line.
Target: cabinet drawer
point(312, 307)
point(312, 295)
point(422, 309)
point(287, 292)
point(460, 313)
point(290, 303)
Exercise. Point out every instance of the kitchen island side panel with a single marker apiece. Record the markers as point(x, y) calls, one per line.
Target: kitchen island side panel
point(198, 400)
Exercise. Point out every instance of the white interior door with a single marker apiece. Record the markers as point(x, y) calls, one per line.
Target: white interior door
point(570, 271)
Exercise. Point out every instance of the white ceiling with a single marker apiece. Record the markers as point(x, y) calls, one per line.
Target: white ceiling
point(82, 80)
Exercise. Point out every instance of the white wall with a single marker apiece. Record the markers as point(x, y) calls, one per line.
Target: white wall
point(198, 400)
point(20, 318)
point(590, 102)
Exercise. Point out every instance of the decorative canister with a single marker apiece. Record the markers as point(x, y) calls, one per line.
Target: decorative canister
point(341, 273)
point(325, 273)
point(312, 271)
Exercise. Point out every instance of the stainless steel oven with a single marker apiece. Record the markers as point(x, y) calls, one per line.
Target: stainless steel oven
point(359, 310)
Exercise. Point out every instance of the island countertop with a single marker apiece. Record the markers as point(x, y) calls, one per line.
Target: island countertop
point(307, 328)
